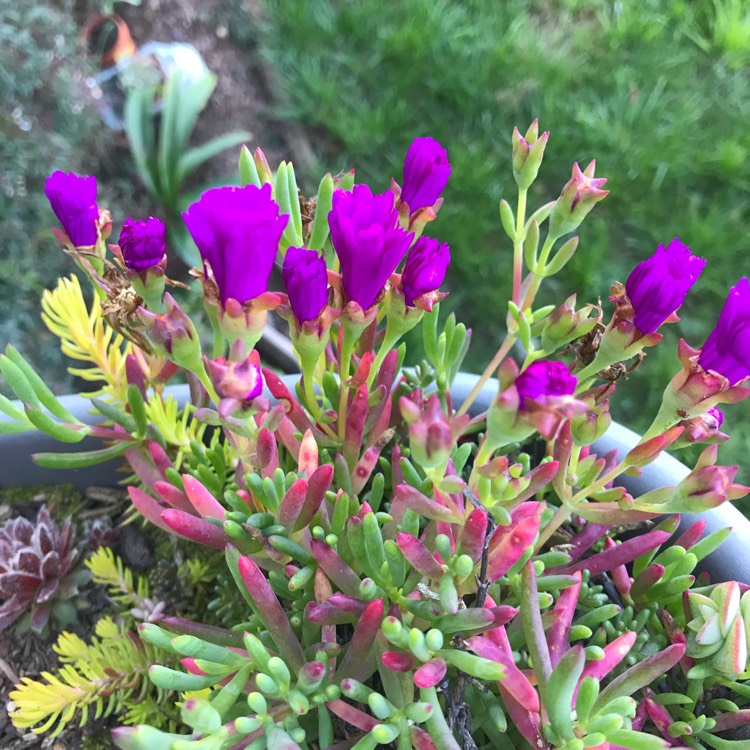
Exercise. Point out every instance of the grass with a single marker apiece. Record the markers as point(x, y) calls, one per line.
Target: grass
point(655, 91)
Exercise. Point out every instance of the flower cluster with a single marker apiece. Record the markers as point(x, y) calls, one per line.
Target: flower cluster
point(413, 559)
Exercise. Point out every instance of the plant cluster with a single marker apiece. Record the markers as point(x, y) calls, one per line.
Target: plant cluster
point(412, 570)
point(656, 90)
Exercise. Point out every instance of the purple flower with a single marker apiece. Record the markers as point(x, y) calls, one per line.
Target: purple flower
point(237, 231)
point(426, 173)
point(545, 378)
point(368, 241)
point(306, 281)
point(143, 243)
point(425, 268)
point(727, 348)
point(657, 286)
point(73, 199)
point(236, 380)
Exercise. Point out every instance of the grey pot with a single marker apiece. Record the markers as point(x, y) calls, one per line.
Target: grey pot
point(730, 562)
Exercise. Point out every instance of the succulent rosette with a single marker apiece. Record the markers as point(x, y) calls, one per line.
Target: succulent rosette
point(36, 567)
point(73, 199)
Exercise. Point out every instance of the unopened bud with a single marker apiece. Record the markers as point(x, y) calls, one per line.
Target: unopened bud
point(528, 152)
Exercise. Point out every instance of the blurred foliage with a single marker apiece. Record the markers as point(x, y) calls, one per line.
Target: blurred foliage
point(43, 126)
point(655, 91)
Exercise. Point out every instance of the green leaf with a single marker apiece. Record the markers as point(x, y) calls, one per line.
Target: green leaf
point(294, 200)
point(323, 204)
point(45, 395)
point(194, 157)
point(636, 740)
point(111, 412)
point(9, 408)
point(560, 688)
point(562, 256)
point(137, 409)
point(139, 126)
point(248, 171)
point(508, 220)
point(82, 458)
point(42, 421)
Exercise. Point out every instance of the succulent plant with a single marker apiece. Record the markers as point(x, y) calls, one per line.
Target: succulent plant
point(38, 577)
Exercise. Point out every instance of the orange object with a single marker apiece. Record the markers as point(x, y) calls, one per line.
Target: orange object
point(110, 36)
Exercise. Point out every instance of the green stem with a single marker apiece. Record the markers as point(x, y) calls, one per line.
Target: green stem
point(311, 401)
point(518, 245)
point(385, 349)
point(538, 277)
point(489, 371)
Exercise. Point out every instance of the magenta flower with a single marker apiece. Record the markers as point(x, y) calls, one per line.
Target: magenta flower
point(236, 380)
point(426, 173)
point(237, 231)
point(73, 199)
point(143, 243)
point(306, 281)
point(368, 241)
point(658, 285)
point(545, 378)
point(425, 268)
point(727, 348)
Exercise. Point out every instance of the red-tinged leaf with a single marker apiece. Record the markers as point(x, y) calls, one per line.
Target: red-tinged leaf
point(317, 486)
point(291, 504)
point(406, 496)
point(189, 663)
point(149, 508)
point(209, 633)
point(334, 567)
point(515, 681)
point(266, 453)
point(287, 435)
point(619, 573)
point(661, 718)
point(142, 463)
point(327, 614)
point(270, 611)
point(307, 459)
point(430, 673)
point(397, 661)
point(201, 499)
point(585, 539)
point(160, 458)
point(195, 529)
point(619, 555)
point(294, 410)
point(646, 452)
point(508, 545)
point(358, 661)
point(174, 497)
point(419, 556)
point(363, 470)
point(538, 478)
point(350, 604)
point(532, 626)
point(692, 535)
point(420, 740)
point(645, 580)
point(526, 510)
point(528, 723)
point(356, 415)
point(352, 715)
point(563, 613)
point(733, 720)
point(641, 675)
point(614, 653)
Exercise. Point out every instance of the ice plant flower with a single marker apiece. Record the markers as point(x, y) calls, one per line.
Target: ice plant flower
point(238, 383)
point(73, 199)
point(727, 348)
point(368, 241)
point(657, 286)
point(426, 173)
point(143, 243)
point(543, 379)
point(237, 231)
point(425, 269)
point(580, 194)
point(306, 280)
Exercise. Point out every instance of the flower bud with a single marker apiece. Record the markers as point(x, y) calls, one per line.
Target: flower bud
point(528, 153)
point(565, 324)
point(588, 427)
point(237, 384)
point(73, 199)
point(430, 437)
point(426, 173)
point(306, 281)
point(143, 243)
point(424, 271)
point(578, 197)
point(174, 334)
point(702, 429)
